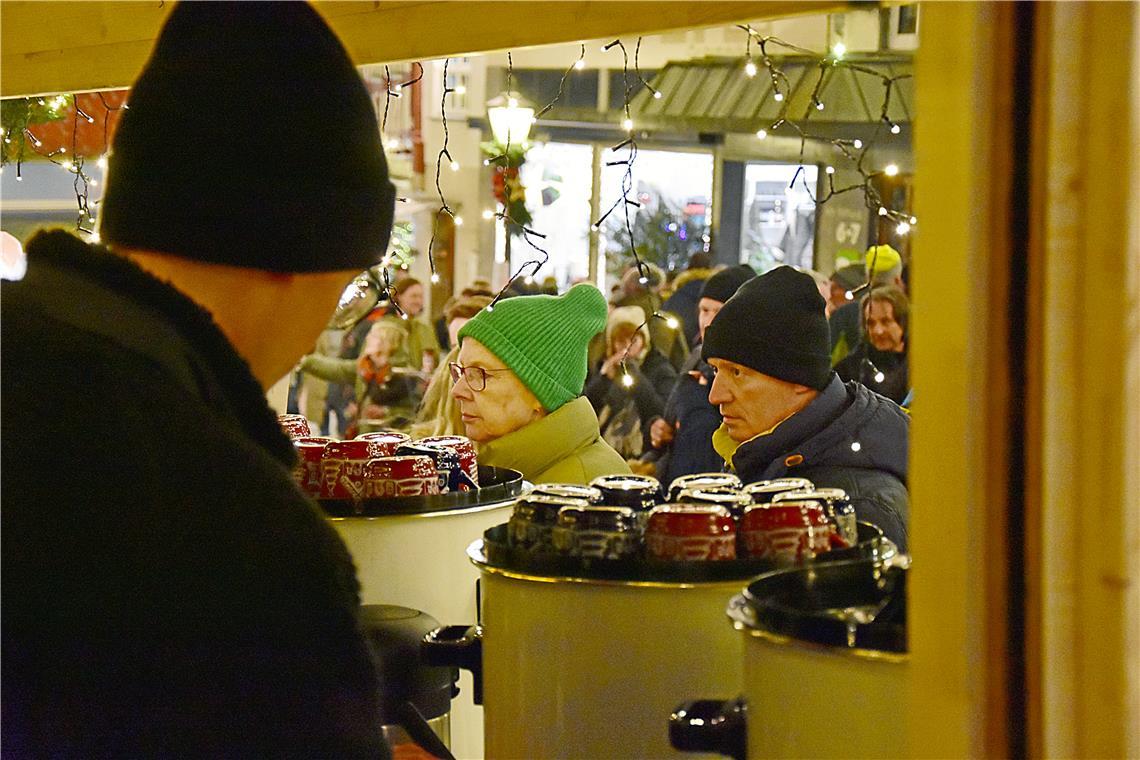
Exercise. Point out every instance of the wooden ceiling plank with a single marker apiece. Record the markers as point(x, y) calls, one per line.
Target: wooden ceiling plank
point(43, 54)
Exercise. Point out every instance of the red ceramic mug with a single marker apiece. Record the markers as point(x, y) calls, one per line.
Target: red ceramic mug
point(463, 447)
point(294, 425)
point(307, 473)
point(787, 532)
point(384, 442)
point(693, 532)
point(386, 477)
point(342, 469)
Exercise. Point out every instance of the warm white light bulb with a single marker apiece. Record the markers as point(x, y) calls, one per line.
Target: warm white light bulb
point(460, 89)
point(838, 49)
point(643, 280)
point(627, 380)
point(579, 64)
point(880, 377)
point(849, 295)
point(435, 277)
point(903, 228)
point(778, 96)
point(762, 133)
point(913, 221)
point(672, 322)
point(750, 69)
point(830, 170)
point(891, 170)
point(62, 149)
point(657, 95)
point(458, 221)
point(67, 165)
point(819, 105)
point(857, 143)
point(95, 237)
point(627, 125)
point(454, 166)
point(488, 214)
point(883, 211)
point(855, 445)
point(404, 315)
point(895, 129)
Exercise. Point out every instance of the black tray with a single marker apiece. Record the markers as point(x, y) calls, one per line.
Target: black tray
point(496, 484)
point(854, 604)
point(498, 553)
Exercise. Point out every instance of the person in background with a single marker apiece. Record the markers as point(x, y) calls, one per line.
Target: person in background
point(384, 396)
point(683, 435)
point(168, 589)
point(518, 381)
point(438, 413)
point(786, 414)
point(665, 332)
point(883, 266)
point(625, 408)
point(687, 292)
point(478, 287)
point(879, 361)
point(841, 285)
point(420, 350)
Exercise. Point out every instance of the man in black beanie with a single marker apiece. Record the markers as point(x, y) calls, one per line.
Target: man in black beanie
point(684, 434)
point(786, 414)
point(167, 589)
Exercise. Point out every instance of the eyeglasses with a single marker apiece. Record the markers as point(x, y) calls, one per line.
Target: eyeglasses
point(476, 377)
point(357, 300)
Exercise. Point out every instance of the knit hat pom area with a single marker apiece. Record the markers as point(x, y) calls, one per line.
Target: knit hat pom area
point(543, 339)
point(251, 140)
point(776, 324)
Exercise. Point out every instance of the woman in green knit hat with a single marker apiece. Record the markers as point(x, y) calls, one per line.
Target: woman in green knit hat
point(518, 381)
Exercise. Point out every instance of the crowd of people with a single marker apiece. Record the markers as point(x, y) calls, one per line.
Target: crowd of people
point(784, 373)
point(168, 589)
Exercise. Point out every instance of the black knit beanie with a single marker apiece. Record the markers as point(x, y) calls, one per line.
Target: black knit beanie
point(722, 285)
point(250, 140)
point(776, 325)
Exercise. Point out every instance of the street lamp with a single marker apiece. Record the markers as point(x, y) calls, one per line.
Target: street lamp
point(511, 118)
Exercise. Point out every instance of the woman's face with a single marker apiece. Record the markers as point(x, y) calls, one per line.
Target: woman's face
point(624, 337)
point(412, 300)
point(502, 407)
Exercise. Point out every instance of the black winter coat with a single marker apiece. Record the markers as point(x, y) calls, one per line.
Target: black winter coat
point(694, 421)
point(653, 380)
point(849, 438)
point(865, 363)
point(167, 589)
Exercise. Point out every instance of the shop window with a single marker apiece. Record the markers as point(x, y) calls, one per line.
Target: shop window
point(778, 216)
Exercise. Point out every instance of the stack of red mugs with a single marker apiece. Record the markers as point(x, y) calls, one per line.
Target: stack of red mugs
point(367, 467)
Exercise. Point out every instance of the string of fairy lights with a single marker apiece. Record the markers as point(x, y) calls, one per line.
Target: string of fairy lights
point(71, 161)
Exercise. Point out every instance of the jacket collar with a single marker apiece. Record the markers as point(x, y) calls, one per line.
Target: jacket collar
point(790, 432)
point(540, 445)
point(97, 291)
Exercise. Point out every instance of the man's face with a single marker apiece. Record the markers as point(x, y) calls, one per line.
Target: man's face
point(707, 309)
point(752, 403)
point(503, 406)
point(883, 331)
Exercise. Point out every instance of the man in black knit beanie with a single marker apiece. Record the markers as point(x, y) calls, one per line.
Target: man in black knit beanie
point(786, 414)
point(168, 591)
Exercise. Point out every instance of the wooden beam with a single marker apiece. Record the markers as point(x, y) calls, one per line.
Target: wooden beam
point(54, 46)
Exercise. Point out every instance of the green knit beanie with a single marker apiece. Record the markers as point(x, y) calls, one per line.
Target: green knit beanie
point(543, 339)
